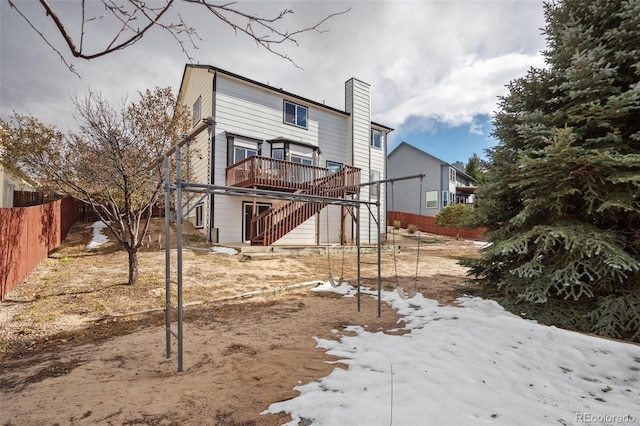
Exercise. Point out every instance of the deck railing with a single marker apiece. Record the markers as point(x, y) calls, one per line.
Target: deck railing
point(263, 172)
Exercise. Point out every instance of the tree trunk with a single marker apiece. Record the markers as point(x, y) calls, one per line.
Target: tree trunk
point(133, 266)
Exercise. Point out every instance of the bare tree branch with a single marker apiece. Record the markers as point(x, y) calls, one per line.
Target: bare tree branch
point(264, 31)
point(42, 36)
point(273, 36)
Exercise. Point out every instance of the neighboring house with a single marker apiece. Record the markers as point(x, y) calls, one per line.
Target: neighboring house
point(266, 138)
point(12, 182)
point(444, 184)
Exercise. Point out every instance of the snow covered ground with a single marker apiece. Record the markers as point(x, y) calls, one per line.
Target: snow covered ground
point(475, 364)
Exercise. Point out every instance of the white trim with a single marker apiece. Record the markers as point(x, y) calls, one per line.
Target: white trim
point(245, 143)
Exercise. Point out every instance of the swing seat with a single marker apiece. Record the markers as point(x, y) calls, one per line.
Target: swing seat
point(404, 295)
point(333, 283)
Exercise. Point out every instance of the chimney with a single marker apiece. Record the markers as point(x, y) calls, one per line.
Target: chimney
point(458, 165)
point(358, 105)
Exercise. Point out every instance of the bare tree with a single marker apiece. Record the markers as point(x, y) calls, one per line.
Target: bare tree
point(111, 163)
point(132, 19)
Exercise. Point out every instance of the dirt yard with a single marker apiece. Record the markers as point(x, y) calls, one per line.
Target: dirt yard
point(78, 346)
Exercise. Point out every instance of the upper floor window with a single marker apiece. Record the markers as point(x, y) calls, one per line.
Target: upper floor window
point(301, 160)
point(241, 152)
point(452, 174)
point(197, 110)
point(334, 167)
point(290, 151)
point(295, 114)
point(277, 153)
point(376, 138)
point(242, 147)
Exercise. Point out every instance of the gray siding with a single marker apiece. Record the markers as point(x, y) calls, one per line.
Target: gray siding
point(405, 195)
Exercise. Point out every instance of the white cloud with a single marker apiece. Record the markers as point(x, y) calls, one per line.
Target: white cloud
point(470, 88)
point(444, 60)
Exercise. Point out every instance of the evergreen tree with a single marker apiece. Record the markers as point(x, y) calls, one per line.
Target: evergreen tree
point(476, 167)
point(562, 196)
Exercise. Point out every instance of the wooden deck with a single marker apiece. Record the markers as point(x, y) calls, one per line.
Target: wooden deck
point(279, 175)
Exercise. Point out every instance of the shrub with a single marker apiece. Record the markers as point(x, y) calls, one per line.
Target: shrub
point(455, 216)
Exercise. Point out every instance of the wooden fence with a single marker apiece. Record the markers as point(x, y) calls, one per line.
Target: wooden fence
point(88, 214)
point(29, 198)
point(29, 234)
point(427, 224)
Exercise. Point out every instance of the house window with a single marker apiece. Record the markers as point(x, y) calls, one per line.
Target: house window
point(240, 153)
point(376, 138)
point(334, 167)
point(199, 215)
point(432, 199)
point(445, 198)
point(452, 174)
point(290, 151)
point(299, 154)
point(374, 176)
point(295, 114)
point(277, 153)
point(301, 160)
point(241, 147)
point(196, 111)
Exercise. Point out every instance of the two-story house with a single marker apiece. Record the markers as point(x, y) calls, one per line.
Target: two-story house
point(263, 137)
point(444, 184)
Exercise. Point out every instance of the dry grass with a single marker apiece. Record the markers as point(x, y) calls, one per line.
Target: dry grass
point(80, 296)
point(79, 346)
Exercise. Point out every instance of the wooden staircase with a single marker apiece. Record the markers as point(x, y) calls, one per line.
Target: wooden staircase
point(285, 216)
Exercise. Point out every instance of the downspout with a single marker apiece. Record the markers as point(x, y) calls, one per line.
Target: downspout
point(386, 176)
point(212, 137)
point(370, 187)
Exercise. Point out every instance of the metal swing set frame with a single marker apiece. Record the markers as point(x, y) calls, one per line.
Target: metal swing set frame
point(200, 191)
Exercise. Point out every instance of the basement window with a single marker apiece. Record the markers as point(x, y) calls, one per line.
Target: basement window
point(199, 223)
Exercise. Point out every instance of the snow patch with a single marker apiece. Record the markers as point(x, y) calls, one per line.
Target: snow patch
point(344, 289)
point(474, 364)
point(98, 237)
point(224, 250)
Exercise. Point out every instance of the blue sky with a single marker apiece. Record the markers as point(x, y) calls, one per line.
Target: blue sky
point(447, 142)
point(436, 68)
